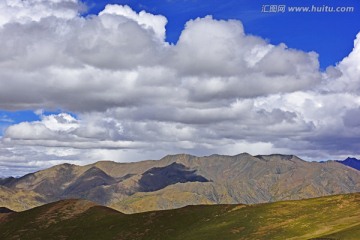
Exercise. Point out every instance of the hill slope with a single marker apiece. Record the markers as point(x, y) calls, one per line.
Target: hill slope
point(19, 199)
point(179, 180)
point(77, 219)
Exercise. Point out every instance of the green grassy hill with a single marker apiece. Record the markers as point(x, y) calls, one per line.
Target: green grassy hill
point(333, 217)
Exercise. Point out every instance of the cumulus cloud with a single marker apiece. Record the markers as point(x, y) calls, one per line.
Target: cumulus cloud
point(134, 96)
point(33, 10)
point(346, 75)
point(155, 23)
point(350, 65)
point(110, 59)
point(63, 130)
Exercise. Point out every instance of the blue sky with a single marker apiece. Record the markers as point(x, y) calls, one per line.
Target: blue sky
point(134, 80)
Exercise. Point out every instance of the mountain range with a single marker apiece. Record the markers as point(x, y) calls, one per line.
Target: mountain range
point(325, 218)
point(179, 180)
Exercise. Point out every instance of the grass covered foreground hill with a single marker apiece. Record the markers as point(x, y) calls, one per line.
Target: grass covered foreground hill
point(333, 217)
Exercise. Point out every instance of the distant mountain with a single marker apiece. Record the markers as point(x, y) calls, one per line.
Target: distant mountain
point(5, 181)
point(351, 162)
point(334, 217)
point(179, 180)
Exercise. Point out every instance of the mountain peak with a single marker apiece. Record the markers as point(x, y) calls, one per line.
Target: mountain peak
point(179, 155)
point(101, 162)
point(244, 154)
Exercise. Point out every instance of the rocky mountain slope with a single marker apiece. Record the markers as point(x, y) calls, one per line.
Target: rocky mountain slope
point(334, 217)
point(179, 180)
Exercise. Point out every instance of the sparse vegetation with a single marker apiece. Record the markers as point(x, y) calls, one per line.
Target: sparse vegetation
point(334, 217)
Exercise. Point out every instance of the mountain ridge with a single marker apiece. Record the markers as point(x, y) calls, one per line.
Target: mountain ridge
point(187, 180)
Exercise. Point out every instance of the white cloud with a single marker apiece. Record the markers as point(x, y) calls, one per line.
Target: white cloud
point(63, 130)
point(346, 75)
point(33, 10)
point(110, 59)
point(218, 60)
point(217, 90)
point(155, 23)
point(350, 65)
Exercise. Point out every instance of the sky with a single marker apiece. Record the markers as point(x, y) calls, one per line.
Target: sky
point(83, 81)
